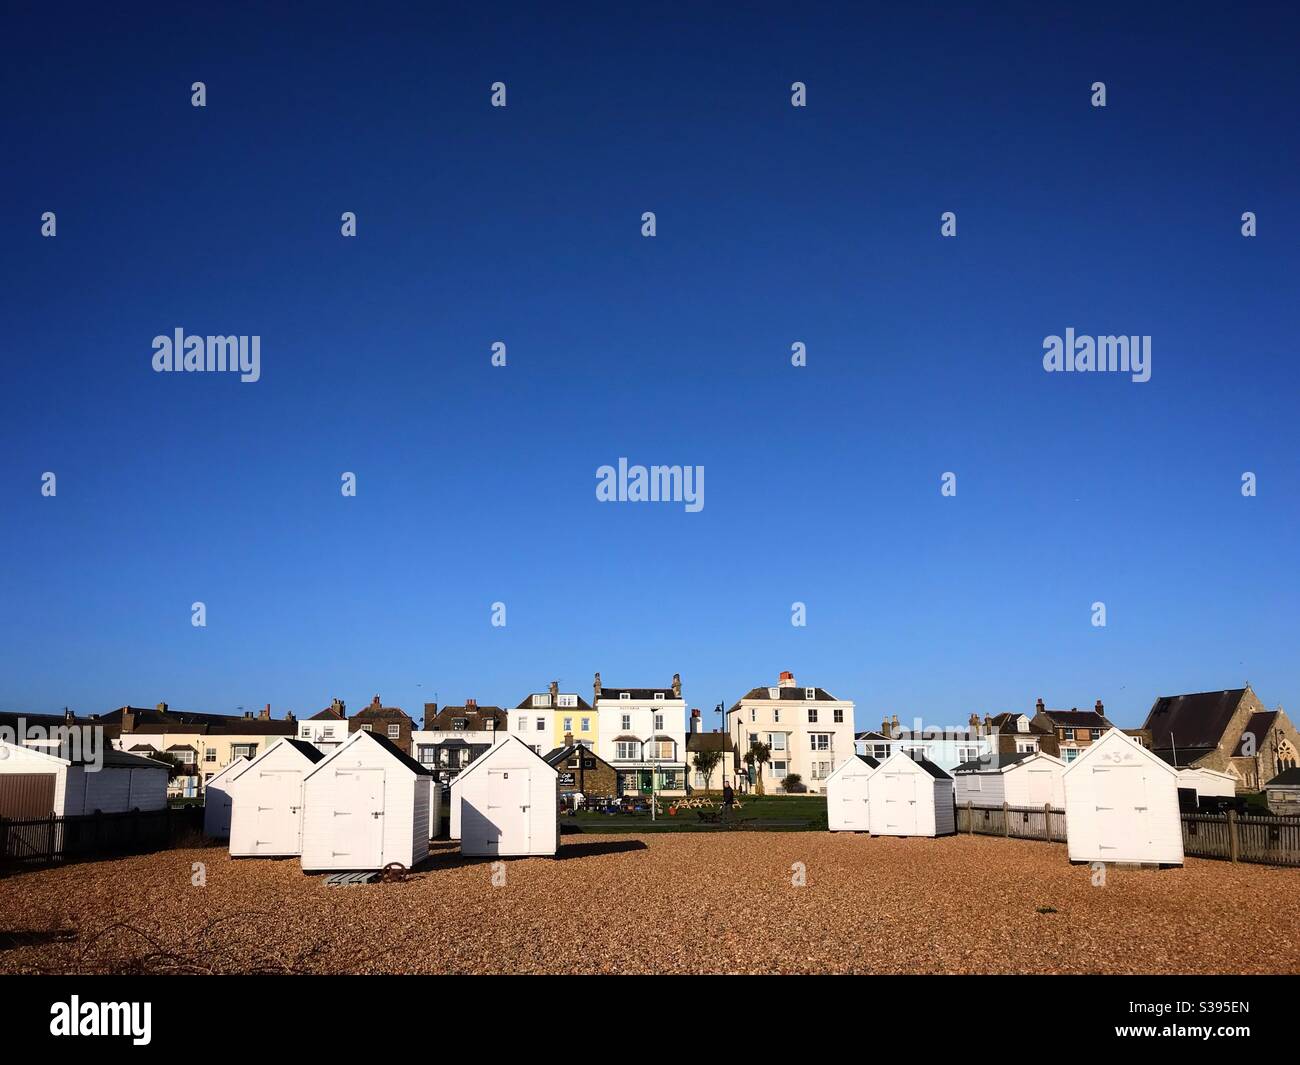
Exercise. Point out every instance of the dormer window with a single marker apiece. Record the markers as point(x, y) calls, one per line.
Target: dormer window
point(625, 695)
point(458, 724)
point(773, 693)
point(659, 697)
point(810, 693)
point(541, 700)
point(567, 701)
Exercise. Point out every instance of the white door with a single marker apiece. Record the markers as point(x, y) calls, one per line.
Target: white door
point(1040, 787)
point(279, 800)
point(508, 809)
point(853, 803)
point(900, 804)
point(358, 838)
point(1122, 816)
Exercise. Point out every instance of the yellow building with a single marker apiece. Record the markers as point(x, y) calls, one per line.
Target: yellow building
point(550, 719)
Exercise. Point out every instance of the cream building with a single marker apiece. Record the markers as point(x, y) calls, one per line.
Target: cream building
point(809, 731)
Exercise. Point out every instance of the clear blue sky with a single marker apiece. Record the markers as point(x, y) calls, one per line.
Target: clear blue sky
point(775, 224)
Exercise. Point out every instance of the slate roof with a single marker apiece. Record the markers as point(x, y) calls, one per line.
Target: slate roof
point(1077, 719)
point(328, 714)
point(874, 763)
point(474, 717)
point(1192, 721)
point(169, 720)
point(931, 768)
point(1258, 725)
point(638, 693)
point(1286, 778)
point(789, 695)
point(400, 755)
point(308, 750)
point(710, 741)
point(527, 701)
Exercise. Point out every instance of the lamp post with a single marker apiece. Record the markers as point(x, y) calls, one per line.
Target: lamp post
point(722, 728)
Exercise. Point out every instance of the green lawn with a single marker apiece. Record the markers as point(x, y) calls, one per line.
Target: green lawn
point(771, 812)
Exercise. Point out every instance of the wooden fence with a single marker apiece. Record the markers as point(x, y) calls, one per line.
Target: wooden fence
point(1231, 837)
point(1235, 837)
point(1046, 823)
point(44, 840)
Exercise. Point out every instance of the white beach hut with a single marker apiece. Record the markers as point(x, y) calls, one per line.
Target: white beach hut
point(847, 804)
point(1121, 804)
point(266, 801)
point(910, 798)
point(217, 799)
point(38, 783)
point(1208, 783)
point(1023, 779)
point(367, 805)
point(505, 803)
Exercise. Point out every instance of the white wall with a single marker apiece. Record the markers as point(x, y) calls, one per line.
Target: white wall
point(406, 799)
point(472, 795)
point(980, 789)
point(1121, 804)
point(17, 759)
point(269, 787)
point(915, 812)
point(848, 806)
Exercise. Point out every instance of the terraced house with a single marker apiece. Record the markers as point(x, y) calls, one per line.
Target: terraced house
point(455, 736)
point(543, 719)
point(642, 734)
point(1070, 732)
point(808, 731)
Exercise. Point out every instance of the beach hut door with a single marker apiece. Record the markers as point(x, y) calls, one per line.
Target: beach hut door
point(508, 805)
point(359, 817)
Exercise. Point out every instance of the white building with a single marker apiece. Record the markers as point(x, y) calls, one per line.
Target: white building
point(266, 801)
point(1208, 783)
point(328, 729)
point(946, 747)
point(910, 797)
point(217, 800)
point(456, 735)
point(641, 732)
point(848, 789)
point(38, 781)
point(808, 730)
point(505, 804)
point(1121, 804)
point(543, 720)
point(365, 805)
point(1015, 779)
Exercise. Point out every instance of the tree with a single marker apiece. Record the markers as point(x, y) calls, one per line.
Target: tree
point(792, 783)
point(759, 755)
point(706, 762)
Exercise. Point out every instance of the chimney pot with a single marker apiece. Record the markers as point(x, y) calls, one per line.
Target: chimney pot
point(265, 713)
point(1040, 707)
point(1100, 708)
point(161, 708)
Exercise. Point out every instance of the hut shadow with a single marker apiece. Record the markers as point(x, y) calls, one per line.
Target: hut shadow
point(445, 854)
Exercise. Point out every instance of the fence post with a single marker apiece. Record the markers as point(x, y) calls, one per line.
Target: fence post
point(970, 817)
point(1234, 844)
point(1006, 820)
point(1047, 822)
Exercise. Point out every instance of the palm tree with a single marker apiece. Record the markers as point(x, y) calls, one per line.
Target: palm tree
point(706, 762)
point(759, 755)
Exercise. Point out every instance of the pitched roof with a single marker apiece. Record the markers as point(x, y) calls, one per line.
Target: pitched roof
point(1258, 725)
point(308, 750)
point(874, 763)
point(329, 714)
point(377, 711)
point(1195, 720)
point(639, 693)
point(489, 755)
point(931, 768)
point(879, 736)
point(169, 720)
point(1288, 777)
point(559, 755)
point(527, 702)
point(1076, 718)
point(710, 741)
point(790, 695)
point(473, 715)
point(384, 742)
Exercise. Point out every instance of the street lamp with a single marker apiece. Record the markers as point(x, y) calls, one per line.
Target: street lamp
point(722, 728)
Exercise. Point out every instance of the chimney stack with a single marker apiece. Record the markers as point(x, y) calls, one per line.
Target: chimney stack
point(974, 724)
point(894, 730)
point(128, 719)
point(677, 685)
point(695, 720)
point(289, 716)
point(1099, 708)
point(884, 726)
point(555, 692)
point(568, 739)
point(595, 690)
point(471, 704)
point(1040, 707)
point(265, 713)
point(430, 712)
point(786, 680)
point(161, 708)
point(376, 704)
point(68, 716)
